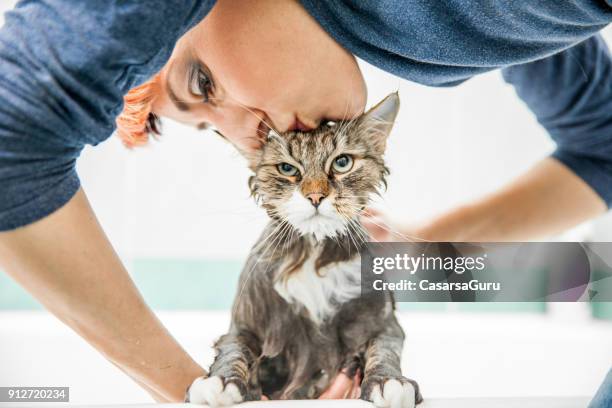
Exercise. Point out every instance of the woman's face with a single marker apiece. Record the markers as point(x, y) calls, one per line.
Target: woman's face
point(253, 64)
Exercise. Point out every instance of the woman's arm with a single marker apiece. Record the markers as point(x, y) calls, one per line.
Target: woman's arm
point(67, 263)
point(546, 200)
point(570, 93)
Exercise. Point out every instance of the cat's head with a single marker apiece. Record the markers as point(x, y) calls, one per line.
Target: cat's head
point(320, 181)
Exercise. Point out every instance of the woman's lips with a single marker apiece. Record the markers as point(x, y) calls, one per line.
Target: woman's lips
point(297, 125)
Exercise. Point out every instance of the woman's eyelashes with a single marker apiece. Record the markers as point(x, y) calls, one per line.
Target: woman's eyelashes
point(200, 83)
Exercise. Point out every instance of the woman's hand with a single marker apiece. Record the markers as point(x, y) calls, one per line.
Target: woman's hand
point(343, 387)
point(546, 200)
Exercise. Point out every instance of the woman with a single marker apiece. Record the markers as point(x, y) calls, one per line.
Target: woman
point(242, 66)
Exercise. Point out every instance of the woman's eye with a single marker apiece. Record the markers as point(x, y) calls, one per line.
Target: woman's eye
point(342, 163)
point(287, 170)
point(201, 84)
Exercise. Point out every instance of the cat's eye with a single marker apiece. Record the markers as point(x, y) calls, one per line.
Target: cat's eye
point(342, 163)
point(200, 84)
point(287, 169)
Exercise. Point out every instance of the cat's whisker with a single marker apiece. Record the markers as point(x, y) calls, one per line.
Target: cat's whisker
point(359, 229)
point(250, 271)
point(342, 126)
point(335, 238)
point(260, 244)
point(350, 236)
point(287, 242)
point(263, 242)
point(366, 234)
point(355, 234)
point(271, 233)
point(349, 230)
point(262, 132)
point(387, 227)
point(245, 107)
point(404, 237)
point(361, 240)
point(278, 240)
point(282, 236)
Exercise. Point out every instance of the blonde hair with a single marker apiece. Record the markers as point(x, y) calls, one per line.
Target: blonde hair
point(137, 121)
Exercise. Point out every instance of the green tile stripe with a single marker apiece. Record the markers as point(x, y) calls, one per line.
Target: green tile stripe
point(204, 284)
point(14, 297)
point(502, 307)
point(422, 306)
point(166, 284)
point(474, 307)
point(602, 310)
point(187, 284)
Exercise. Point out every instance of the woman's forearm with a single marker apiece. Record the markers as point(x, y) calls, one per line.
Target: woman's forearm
point(546, 200)
point(66, 262)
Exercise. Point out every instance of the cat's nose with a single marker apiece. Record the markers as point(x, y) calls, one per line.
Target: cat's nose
point(315, 199)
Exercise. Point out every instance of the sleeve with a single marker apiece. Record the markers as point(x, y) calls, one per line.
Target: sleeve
point(64, 68)
point(571, 95)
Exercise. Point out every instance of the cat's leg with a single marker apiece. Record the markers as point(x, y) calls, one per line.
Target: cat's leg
point(230, 380)
point(383, 383)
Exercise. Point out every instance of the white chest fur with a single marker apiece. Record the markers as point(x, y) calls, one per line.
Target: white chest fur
point(321, 293)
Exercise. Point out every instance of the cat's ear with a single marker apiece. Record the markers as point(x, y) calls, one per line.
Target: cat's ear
point(376, 124)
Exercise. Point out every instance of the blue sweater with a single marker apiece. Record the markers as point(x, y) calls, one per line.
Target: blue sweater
point(65, 65)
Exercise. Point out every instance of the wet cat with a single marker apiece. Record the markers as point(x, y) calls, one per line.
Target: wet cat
point(299, 316)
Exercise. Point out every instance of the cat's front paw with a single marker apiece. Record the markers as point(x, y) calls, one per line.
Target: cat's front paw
point(214, 391)
point(391, 392)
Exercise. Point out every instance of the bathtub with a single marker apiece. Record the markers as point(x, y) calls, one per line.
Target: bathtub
point(515, 359)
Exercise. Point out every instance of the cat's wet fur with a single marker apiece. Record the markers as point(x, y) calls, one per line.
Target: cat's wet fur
point(299, 316)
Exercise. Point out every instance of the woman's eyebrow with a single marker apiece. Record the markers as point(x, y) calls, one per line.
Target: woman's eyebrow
point(180, 105)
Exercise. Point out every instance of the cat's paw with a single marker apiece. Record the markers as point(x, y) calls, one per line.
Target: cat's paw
point(214, 391)
point(395, 392)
